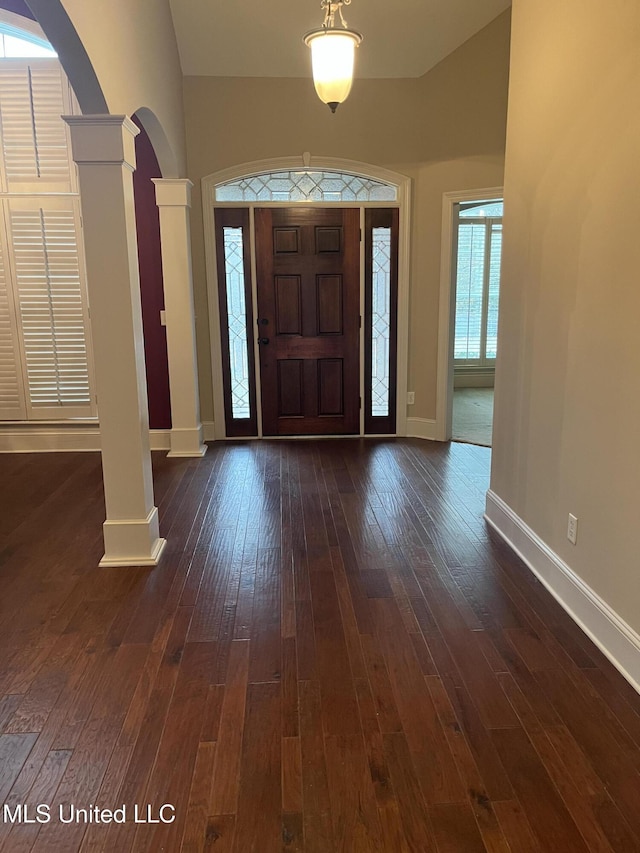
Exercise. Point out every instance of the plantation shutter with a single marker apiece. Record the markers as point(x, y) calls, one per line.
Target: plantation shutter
point(12, 405)
point(44, 239)
point(35, 152)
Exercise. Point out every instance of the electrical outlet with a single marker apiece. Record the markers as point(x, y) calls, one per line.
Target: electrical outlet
point(411, 398)
point(572, 529)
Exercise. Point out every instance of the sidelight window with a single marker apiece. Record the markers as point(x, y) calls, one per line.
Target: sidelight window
point(234, 300)
point(237, 322)
point(381, 296)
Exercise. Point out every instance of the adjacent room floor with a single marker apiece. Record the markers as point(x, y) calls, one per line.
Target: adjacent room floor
point(473, 415)
point(335, 654)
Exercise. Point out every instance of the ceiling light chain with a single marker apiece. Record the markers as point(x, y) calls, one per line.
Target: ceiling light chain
point(333, 55)
point(331, 8)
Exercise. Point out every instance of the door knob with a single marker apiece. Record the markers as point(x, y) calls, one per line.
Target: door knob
point(263, 341)
point(263, 321)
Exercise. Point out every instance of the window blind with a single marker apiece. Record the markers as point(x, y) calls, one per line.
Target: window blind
point(45, 354)
point(51, 305)
point(12, 405)
point(35, 152)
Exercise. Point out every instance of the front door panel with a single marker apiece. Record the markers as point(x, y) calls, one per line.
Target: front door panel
point(308, 320)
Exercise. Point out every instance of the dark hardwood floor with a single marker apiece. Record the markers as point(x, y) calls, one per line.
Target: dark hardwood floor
point(335, 654)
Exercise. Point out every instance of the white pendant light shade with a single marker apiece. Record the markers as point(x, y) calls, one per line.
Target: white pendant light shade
point(332, 60)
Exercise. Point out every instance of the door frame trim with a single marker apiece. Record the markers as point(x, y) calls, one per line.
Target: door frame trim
point(447, 308)
point(319, 163)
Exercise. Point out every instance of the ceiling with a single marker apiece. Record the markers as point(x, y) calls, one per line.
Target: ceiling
point(247, 38)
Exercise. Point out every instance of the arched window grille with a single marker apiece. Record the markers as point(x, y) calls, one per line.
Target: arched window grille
point(305, 185)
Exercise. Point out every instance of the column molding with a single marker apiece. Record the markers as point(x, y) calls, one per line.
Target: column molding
point(104, 150)
point(173, 197)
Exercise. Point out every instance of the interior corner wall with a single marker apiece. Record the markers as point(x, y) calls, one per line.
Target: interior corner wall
point(445, 130)
point(133, 50)
point(567, 410)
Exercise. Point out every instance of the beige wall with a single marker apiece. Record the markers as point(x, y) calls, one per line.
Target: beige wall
point(133, 50)
point(445, 130)
point(567, 418)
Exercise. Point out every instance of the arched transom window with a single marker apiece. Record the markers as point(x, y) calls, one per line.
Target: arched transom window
point(305, 185)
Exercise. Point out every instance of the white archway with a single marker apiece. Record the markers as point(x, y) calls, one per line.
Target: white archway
point(402, 184)
point(59, 30)
point(159, 141)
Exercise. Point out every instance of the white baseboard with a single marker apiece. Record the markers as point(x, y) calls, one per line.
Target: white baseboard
point(421, 428)
point(208, 431)
point(56, 438)
point(473, 380)
point(160, 439)
point(613, 636)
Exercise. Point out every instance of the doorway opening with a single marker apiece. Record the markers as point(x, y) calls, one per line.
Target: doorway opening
point(307, 302)
point(472, 244)
point(475, 344)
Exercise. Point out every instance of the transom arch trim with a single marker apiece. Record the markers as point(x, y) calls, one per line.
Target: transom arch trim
point(400, 183)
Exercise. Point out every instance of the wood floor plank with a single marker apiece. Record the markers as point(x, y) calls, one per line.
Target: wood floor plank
point(455, 830)
point(220, 833)
point(543, 805)
point(334, 654)
point(431, 754)
point(356, 824)
point(318, 831)
point(414, 816)
point(177, 754)
point(291, 776)
point(227, 764)
point(195, 826)
point(21, 837)
point(258, 816)
point(14, 749)
point(339, 704)
point(515, 826)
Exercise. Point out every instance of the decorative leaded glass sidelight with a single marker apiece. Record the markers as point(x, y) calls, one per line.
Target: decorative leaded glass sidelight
point(237, 322)
point(380, 321)
point(305, 185)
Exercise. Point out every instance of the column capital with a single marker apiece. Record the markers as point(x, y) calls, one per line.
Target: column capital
point(173, 192)
point(103, 140)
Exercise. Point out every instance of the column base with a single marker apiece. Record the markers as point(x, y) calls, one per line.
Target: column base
point(187, 442)
point(132, 542)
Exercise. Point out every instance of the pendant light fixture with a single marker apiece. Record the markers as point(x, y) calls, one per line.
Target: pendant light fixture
point(332, 55)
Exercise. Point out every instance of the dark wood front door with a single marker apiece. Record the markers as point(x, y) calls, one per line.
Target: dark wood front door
point(308, 320)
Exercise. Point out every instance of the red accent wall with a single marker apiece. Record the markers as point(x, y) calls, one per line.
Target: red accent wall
point(151, 282)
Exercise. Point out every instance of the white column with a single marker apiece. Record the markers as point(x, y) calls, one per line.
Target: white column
point(173, 197)
point(103, 147)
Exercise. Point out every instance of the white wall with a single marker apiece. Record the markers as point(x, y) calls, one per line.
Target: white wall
point(567, 416)
point(132, 47)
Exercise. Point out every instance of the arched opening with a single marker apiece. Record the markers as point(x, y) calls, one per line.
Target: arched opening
point(148, 120)
point(60, 32)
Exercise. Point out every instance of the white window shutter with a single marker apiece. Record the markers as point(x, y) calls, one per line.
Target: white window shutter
point(33, 96)
point(12, 406)
point(45, 248)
